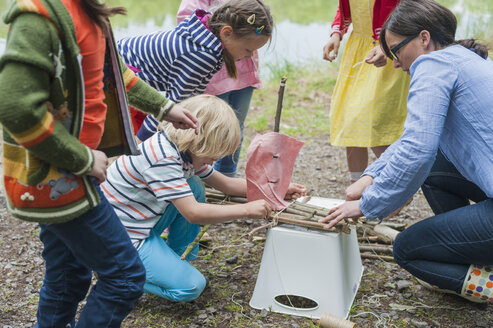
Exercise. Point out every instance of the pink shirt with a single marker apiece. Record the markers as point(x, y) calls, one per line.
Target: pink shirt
point(221, 82)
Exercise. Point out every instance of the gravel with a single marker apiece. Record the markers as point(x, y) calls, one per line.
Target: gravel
point(231, 261)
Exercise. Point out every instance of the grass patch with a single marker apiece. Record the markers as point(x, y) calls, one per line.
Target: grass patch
point(305, 105)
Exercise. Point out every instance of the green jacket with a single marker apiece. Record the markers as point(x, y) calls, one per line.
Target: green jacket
point(42, 108)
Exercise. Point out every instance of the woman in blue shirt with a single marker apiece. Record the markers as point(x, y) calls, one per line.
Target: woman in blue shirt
point(446, 147)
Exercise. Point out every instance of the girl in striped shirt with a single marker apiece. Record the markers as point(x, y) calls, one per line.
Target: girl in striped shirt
point(182, 61)
point(160, 189)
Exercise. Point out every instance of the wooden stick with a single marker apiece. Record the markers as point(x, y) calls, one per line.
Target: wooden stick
point(368, 238)
point(395, 225)
point(277, 120)
point(369, 230)
point(374, 256)
point(194, 242)
point(368, 248)
point(386, 231)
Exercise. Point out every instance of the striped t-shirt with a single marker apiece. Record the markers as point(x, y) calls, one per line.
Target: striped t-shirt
point(140, 187)
point(180, 62)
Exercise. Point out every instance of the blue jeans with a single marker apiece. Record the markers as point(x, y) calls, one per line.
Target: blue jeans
point(167, 275)
point(440, 249)
point(95, 241)
point(239, 100)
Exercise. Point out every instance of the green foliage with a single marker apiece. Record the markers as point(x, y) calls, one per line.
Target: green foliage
point(303, 12)
point(306, 100)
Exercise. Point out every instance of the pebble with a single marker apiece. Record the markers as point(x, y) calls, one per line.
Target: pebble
point(232, 260)
point(420, 324)
point(402, 284)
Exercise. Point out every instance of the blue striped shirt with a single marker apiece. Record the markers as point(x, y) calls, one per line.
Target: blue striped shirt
point(179, 62)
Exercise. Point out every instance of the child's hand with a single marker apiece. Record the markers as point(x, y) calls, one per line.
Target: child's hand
point(181, 118)
point(258, 209)
point(99, 167)
point(377, 57)
point(332, 46)
point(295, 191)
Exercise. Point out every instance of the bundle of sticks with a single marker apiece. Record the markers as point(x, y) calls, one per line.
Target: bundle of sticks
point(375, 240)
point(297, 213)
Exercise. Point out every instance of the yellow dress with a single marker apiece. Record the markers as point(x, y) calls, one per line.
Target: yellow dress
point(368, 106)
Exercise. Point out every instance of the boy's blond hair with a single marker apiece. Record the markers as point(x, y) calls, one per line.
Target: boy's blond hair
point(219, 129)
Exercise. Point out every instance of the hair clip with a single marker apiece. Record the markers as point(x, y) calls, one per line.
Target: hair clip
point(259, 29)
point(251, 19)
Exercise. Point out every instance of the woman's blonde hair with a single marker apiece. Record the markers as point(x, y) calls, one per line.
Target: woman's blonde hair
point(219, 129)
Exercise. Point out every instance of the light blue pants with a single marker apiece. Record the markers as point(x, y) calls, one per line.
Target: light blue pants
point(167, 275)
point(239, 100)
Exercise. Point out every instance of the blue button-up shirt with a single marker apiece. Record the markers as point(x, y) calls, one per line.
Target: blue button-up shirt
point(450, 106)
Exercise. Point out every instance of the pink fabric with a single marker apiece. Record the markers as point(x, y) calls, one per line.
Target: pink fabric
point(270, 162)
point(203, 17)
point(221, 82)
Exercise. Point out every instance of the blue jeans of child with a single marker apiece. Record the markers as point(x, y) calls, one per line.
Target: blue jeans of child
point(440, 249)
point(167, 275)
point(95, 241)
point(239, 100)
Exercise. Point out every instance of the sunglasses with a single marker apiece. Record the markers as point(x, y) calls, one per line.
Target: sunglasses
point(398, 47)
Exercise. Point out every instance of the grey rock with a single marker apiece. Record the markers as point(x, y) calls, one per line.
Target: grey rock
point(233, 259)
point(420, 324)
point(483, 323)
point(402, 284)
point(211, 309)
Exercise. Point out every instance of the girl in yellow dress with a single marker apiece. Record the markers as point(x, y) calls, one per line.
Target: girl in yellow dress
point(368, 106)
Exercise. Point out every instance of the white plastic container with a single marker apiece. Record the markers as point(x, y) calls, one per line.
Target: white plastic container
point(318, 271)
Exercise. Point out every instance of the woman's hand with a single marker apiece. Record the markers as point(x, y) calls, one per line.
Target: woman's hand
point(354, 191)
point(295, 191)
point(377, 57)
point(99, 167)
point(349, 209)
point(258, 209)
point(332, 46)
point(181, 118)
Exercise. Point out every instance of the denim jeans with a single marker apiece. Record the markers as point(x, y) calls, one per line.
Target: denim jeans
point(167, 276)
point(440, 249)
point(95, 241)
point(239, 100)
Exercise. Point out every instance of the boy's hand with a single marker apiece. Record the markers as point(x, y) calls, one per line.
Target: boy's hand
point(181, 118)
point(295, 191)
point(258, 209)
point(99, 167)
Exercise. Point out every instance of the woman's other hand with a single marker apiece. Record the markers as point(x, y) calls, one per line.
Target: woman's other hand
point(354, 191)
point(347, 210)
point(332, 47)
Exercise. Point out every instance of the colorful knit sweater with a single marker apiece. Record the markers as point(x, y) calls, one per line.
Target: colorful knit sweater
point(42, 108)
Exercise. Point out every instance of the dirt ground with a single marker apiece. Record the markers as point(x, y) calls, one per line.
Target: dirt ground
point(388, 296)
